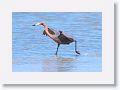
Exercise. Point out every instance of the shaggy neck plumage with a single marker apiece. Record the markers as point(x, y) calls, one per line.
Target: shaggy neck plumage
point(46, 29)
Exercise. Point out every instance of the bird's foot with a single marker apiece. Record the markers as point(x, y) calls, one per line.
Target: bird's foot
point(77, 52)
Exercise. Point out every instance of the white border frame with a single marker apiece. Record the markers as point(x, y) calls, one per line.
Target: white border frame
point(104, 6)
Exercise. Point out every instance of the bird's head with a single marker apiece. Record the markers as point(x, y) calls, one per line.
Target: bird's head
point(38, 24)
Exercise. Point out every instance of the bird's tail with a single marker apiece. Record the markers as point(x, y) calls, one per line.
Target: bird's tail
point(76, 48)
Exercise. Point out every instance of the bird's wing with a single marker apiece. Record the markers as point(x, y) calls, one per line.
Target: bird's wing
point(53, 32)
point(44, 33)
point(65, 39)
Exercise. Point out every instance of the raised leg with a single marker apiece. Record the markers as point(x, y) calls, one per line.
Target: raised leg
point(57, 49)
point(76, 48)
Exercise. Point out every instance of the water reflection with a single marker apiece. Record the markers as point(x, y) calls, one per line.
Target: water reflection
point(58, 64)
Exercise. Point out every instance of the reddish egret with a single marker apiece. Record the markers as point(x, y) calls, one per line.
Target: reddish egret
point(59, 37)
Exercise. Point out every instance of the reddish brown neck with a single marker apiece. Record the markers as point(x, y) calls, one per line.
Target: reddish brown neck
point(46, 29)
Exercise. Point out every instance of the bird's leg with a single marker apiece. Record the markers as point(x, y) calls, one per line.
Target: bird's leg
point(57, 49)
point(76, 48)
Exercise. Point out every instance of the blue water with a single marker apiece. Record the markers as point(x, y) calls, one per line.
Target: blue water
point(34, 52)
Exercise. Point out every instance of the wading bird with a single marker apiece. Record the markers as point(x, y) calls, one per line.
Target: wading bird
point(59, 37)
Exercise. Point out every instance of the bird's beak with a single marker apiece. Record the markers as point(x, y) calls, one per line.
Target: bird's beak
point(33, 25)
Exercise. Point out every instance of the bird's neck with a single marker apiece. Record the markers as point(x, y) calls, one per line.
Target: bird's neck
point(46, 29)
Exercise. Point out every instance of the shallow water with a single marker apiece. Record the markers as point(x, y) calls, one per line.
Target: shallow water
point(34, 52)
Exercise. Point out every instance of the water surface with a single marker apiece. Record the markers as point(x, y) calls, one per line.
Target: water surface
point(34, 52)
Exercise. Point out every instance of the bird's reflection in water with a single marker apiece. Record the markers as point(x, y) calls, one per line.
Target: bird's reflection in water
point(58, 64)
